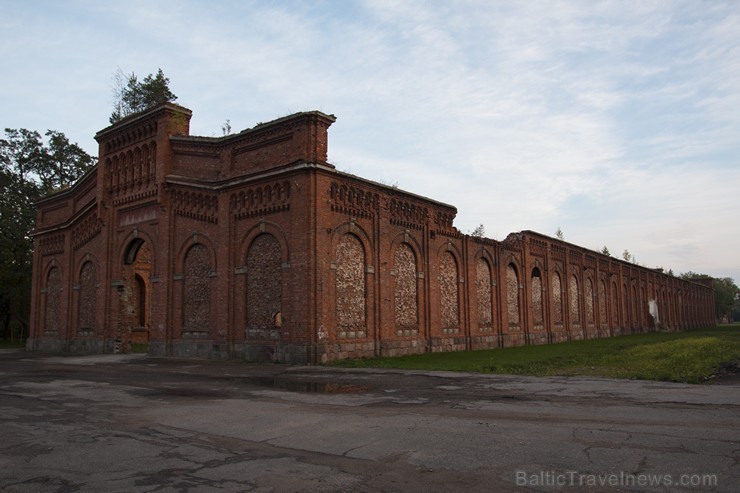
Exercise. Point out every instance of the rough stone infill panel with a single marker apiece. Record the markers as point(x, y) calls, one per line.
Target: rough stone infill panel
point(407, 310)
point(197, 295)
point(589, 299)
point(557, 298)
point(602, 303)
point(614, 301)
point(88, 297)
point(483, 290)
point(512, 295)
point(575, 313)
point(448, 291)
point(350, 285)
point(264, 284)
point(53, 300)
point(537, 314)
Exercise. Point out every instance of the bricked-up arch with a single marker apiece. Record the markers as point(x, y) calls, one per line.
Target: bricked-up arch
point(512, 295)
point(350, 287)
point(557, 298)
point(614, 305)
point(88, 300)
point(264, 285)
point(589, 301)
point(625, 307)
point(484, 291)
point(405, 291)
point(448, 293)
point(575, 301)
point(197, 289)
point(52, 317)
point(537, 307)
point(602, 304)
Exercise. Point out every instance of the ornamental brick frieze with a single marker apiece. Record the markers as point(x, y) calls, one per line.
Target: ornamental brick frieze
point(407, 214)
point(537, 247)
point(590, 261)
point(558, 252)
point(575, 257)
point(195, 205)
point(86, 230)
point(266, 199)
point(353, 200)
point(443, 220)
point(131, 135)
point(51, 245)
point(130, 175)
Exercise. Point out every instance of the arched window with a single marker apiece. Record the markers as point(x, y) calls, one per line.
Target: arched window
point(602, 304)
point(350, 287)
point(52, 316)
point(557, 298)
point(575, 301)
point(264, 284)
point(512, 295)
point(197, 289)
point(484, 289)
point(448, 293)
point(405, 295)
point(537, 311)
point(87, 300)
point(589, 295)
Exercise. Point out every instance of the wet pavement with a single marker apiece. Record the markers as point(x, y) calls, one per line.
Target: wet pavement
point(131, 423)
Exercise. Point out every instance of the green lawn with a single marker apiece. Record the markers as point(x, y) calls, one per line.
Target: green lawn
point(691, 356)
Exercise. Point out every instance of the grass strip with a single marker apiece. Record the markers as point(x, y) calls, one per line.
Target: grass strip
point(692, 356)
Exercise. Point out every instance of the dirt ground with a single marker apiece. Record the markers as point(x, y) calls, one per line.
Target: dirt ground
point(131, 423)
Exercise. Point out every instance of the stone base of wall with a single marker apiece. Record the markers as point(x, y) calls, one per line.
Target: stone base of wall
point(513, 339)
point(348, 350)
point(590, 333)
point(447, 344)
point(490, 341)
point(86, 346)
point(46, 345)
point(539, 337)
point(402, 347)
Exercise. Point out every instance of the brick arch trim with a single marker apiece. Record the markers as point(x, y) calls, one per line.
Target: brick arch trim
point(263, 227)
point(192, 240)
point(87, 257)
point(356, 230)
point(126, 244)
point(412, 242)
point(456, 254)
point(47, 268)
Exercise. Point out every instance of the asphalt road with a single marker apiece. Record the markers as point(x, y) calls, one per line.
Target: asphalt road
point(130, 423)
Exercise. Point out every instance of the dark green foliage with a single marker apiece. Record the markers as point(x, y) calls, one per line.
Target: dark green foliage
point(132, 96)
point(29, 169)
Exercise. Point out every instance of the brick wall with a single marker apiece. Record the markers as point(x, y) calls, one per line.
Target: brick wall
point(253, 246)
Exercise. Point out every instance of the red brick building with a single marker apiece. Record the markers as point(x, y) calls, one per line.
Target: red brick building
point(253, 246)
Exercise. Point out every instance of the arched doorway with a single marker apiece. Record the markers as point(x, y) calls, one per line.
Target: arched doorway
point(135, 298)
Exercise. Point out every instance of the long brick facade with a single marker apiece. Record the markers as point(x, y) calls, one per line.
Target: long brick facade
point(253, 246)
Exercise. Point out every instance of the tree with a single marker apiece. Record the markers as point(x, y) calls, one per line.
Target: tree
point(626, 255)
point(479, 231)
point(725, 294)
point(559, 234)
point(605, 251)
point(131, 96)
point(29, 169)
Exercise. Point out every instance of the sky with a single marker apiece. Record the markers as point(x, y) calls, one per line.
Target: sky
point(617, 122)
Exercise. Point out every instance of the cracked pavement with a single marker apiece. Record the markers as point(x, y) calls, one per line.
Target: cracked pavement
point(132, 423)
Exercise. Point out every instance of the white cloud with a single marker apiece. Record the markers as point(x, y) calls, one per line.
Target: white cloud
point(617, 124)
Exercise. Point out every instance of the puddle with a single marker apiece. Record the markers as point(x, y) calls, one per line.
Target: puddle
point(311, 387)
